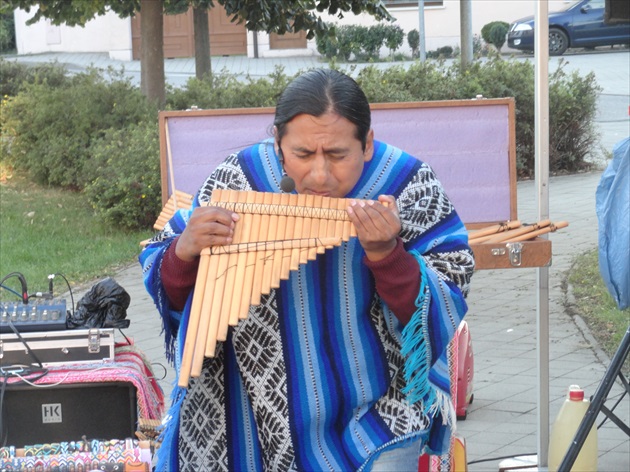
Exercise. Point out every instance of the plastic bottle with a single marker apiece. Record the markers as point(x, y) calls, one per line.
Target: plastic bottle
point(564, 429)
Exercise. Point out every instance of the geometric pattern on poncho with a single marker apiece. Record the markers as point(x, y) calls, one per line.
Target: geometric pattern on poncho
point(393, 407)
point(200, 447)
point(259, 354)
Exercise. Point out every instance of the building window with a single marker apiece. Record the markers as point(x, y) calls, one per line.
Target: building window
point(408, 3)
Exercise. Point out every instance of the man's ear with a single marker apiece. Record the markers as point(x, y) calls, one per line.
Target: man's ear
point(369, 146)
point(276, 143)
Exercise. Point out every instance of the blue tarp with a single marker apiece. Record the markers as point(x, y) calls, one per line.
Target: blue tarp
point(613, 214)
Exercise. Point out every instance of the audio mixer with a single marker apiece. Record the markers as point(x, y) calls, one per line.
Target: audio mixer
point(42, 315)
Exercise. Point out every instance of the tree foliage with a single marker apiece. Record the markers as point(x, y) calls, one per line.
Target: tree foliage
point(495, 33)
point(73, 12)
point(278, 16)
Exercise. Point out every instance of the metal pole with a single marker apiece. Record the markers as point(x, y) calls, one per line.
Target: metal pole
point(465, 35)
point(541, 125)
point(255, 33)
point(423, 45)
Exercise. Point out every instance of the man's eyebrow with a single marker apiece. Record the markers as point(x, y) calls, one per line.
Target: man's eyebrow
point(334, 150)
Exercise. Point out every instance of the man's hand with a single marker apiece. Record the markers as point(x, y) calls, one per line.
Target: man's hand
point(377, 224)
point(208, 226)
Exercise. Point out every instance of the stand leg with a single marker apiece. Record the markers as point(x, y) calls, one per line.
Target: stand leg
point(597, 403)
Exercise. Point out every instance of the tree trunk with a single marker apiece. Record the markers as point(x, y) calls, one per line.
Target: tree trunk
point(152, 80)
point(203, 66)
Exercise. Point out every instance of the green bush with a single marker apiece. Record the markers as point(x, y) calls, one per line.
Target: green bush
point(7, 32)
point(572, 102)
point(124, 180)
point(373, 40)
point(394, 37)
point(225, 90)
point(480, 49)
point(349, 40)
point(413, 40)
point(326, 43)
point(48, 130)
point(445, 52)
point(358, 42)
point(495, 33)
point(498, 34)
point(15, 75)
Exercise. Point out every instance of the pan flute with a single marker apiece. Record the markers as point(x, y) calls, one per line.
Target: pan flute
point(275, 234)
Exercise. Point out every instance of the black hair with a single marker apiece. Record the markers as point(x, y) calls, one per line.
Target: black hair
point(320, 91)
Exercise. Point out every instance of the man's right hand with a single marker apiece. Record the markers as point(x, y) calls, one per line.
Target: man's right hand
point(208, 226)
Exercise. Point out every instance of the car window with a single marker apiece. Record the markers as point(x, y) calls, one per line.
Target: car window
point(568, 7)
point(597, 3)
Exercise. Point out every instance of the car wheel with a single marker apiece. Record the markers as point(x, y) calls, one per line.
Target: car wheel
point(558, 42)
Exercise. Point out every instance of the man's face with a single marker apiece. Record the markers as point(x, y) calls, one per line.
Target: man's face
point(322, 154)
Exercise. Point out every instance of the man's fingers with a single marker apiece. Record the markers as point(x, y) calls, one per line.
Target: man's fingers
point(372, 216)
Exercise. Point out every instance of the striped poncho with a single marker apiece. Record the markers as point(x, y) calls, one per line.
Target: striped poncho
point(321, 375)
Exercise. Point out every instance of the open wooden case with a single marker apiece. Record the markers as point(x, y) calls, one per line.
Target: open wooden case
point(469, 143)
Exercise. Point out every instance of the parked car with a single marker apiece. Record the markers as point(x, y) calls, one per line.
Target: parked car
point(580, 25)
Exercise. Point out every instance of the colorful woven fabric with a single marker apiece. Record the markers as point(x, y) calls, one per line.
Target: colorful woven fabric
point(114, 455)
point(129, 365)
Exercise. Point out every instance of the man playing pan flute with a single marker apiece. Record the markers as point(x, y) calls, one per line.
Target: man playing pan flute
point(345, 365)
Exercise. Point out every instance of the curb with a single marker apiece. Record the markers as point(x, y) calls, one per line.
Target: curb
point(569, 306)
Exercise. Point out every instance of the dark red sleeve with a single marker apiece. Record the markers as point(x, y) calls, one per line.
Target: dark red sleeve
point(178, 277)
point(397, 280)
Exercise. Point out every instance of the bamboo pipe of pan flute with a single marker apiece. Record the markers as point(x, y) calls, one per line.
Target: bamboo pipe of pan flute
point(193, 323)
point(489, 231)
point(250, 263)
point(290, 233)
point(317, 203)
point(306, 228)
point(228, 315)
point(243, 232)
point(547, 229)
point(506, 235)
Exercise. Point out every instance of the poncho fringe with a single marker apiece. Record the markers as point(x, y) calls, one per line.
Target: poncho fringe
point(417, 355)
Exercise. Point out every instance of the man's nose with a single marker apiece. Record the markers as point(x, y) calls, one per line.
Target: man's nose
point(319, 169)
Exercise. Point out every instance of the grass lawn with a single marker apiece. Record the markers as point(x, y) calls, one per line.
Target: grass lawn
point(596, 306)
point(48, 231)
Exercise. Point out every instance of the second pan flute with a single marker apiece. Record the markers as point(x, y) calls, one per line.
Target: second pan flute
point(274, 235)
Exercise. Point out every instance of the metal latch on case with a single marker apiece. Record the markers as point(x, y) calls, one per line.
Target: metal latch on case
point(94, 341)
point(515, 250)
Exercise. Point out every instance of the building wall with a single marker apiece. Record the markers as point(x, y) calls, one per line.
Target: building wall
point(264, 49)
point(108, 33)
point(111, 34)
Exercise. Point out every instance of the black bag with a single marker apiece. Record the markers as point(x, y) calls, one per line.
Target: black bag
point(103, 306)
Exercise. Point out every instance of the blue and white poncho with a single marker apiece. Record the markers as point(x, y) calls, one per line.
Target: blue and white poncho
point(321, 375)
